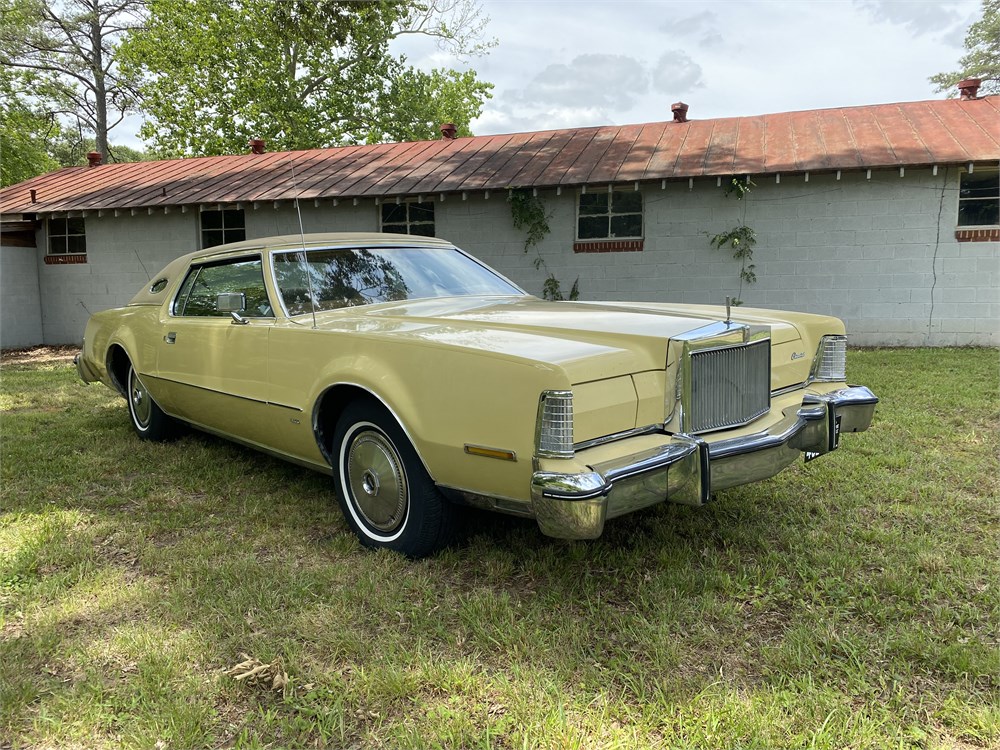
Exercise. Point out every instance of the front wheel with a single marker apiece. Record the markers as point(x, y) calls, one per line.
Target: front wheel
point(387, 496)
point(148, 419)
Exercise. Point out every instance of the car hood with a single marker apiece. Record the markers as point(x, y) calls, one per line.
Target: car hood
point(591, 341)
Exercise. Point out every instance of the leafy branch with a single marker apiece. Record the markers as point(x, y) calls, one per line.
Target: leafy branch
point(741, 239)
point(528, 213)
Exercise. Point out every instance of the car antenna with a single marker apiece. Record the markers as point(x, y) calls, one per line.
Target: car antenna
point(302, 238)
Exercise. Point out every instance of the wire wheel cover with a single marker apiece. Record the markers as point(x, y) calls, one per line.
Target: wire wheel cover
point(377, 481)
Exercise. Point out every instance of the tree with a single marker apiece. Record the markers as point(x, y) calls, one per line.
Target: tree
point(982, 57)
point(70, 149)
point(33, 141)
point(298, 73)
point(417, 103)
point(69, 46)
point(24, 132)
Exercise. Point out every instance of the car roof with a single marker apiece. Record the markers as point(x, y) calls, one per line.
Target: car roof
point(292, 241)
point(284, 242)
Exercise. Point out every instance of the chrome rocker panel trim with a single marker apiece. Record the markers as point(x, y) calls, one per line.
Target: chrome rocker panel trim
point(689, 469)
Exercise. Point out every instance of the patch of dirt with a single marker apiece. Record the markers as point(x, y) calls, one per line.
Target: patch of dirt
point(39, 355)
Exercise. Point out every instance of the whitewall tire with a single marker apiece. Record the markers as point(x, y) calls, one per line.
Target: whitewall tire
point(387, 496)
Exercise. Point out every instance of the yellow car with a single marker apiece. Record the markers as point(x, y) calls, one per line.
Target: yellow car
point(421, 379)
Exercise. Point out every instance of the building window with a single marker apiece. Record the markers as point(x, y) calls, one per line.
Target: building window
point(220, 227)
point(408, 218)
point(609, 215)
point(979, 198)
point(67, 237)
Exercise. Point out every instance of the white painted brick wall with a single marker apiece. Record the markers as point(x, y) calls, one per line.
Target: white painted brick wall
point(870, 252)
point(20, 310)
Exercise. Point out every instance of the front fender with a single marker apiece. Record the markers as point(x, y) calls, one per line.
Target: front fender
point(444, 398)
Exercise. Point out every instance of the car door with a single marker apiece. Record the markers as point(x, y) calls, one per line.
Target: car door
point(213, 364)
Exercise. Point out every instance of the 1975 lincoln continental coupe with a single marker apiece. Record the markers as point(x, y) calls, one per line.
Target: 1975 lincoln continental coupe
point(420, 379)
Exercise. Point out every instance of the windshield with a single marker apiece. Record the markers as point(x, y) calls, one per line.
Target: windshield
point(345, 277)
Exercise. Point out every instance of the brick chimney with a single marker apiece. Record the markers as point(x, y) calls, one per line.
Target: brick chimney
point(94, 159)
point(449, 132)
point(256, 145)
point(969, 88)
point(680, 110)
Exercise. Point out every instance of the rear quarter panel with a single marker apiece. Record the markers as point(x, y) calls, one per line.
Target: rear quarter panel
point(132, 328)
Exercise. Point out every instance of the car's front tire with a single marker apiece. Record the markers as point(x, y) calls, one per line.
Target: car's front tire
point(388, 498)
point(148, 419)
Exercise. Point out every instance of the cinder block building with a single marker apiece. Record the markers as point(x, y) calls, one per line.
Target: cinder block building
point(887, 216)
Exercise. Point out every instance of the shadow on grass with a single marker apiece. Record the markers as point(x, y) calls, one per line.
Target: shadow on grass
point(139, 573)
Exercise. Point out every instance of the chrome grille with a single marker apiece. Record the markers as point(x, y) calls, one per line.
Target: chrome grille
point(730, 386)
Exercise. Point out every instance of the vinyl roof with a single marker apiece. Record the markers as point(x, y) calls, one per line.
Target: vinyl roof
point(949, 131)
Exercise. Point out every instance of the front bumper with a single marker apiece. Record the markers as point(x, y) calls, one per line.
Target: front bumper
point(688, 468)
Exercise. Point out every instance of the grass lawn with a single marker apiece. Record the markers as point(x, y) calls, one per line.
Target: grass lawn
point(850, 602)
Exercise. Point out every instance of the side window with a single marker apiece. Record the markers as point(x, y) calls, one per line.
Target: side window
point(606, 216)
point(198, 295)
point(220, 227)
point(408, 218)
point(979, 198)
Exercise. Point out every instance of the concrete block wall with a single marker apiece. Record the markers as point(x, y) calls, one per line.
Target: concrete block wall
point(123, 253)
point(20, 306)
point(879, 253)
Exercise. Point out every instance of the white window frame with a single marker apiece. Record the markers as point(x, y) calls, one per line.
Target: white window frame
point(223, 229)
point(408, 222)
point(610, 214)
point(958, 208)
point(49, 234)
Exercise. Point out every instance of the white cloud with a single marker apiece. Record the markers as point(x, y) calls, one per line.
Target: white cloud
point(592, 80)
point(917, 16)
point(723, 58)
point(699, 23)
point(509, 119)
point(676, 73)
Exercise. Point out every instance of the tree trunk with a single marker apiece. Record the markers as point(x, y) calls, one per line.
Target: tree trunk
point(100, 87)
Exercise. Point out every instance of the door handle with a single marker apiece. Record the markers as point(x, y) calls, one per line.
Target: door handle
point(170, 338)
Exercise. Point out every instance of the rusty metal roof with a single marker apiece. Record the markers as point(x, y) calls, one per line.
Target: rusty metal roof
point(908, 134)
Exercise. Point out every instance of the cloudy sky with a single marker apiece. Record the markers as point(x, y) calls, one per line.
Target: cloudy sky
point(573, 63)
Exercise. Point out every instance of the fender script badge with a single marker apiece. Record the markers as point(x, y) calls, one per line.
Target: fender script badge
point(798, 355)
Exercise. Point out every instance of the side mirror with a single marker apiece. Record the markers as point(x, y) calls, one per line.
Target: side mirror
point(230, 302)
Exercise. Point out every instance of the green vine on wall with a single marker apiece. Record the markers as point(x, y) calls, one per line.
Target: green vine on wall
point(528, 213)
point(741, 238)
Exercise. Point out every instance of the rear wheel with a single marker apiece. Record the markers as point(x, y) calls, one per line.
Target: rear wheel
point(386, 494)
point(148, 419)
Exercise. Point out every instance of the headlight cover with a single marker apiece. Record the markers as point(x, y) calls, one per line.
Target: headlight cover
point(830, 362)
point(554, 427)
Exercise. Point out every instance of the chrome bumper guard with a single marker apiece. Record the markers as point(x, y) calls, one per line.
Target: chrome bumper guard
point(688, 469)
